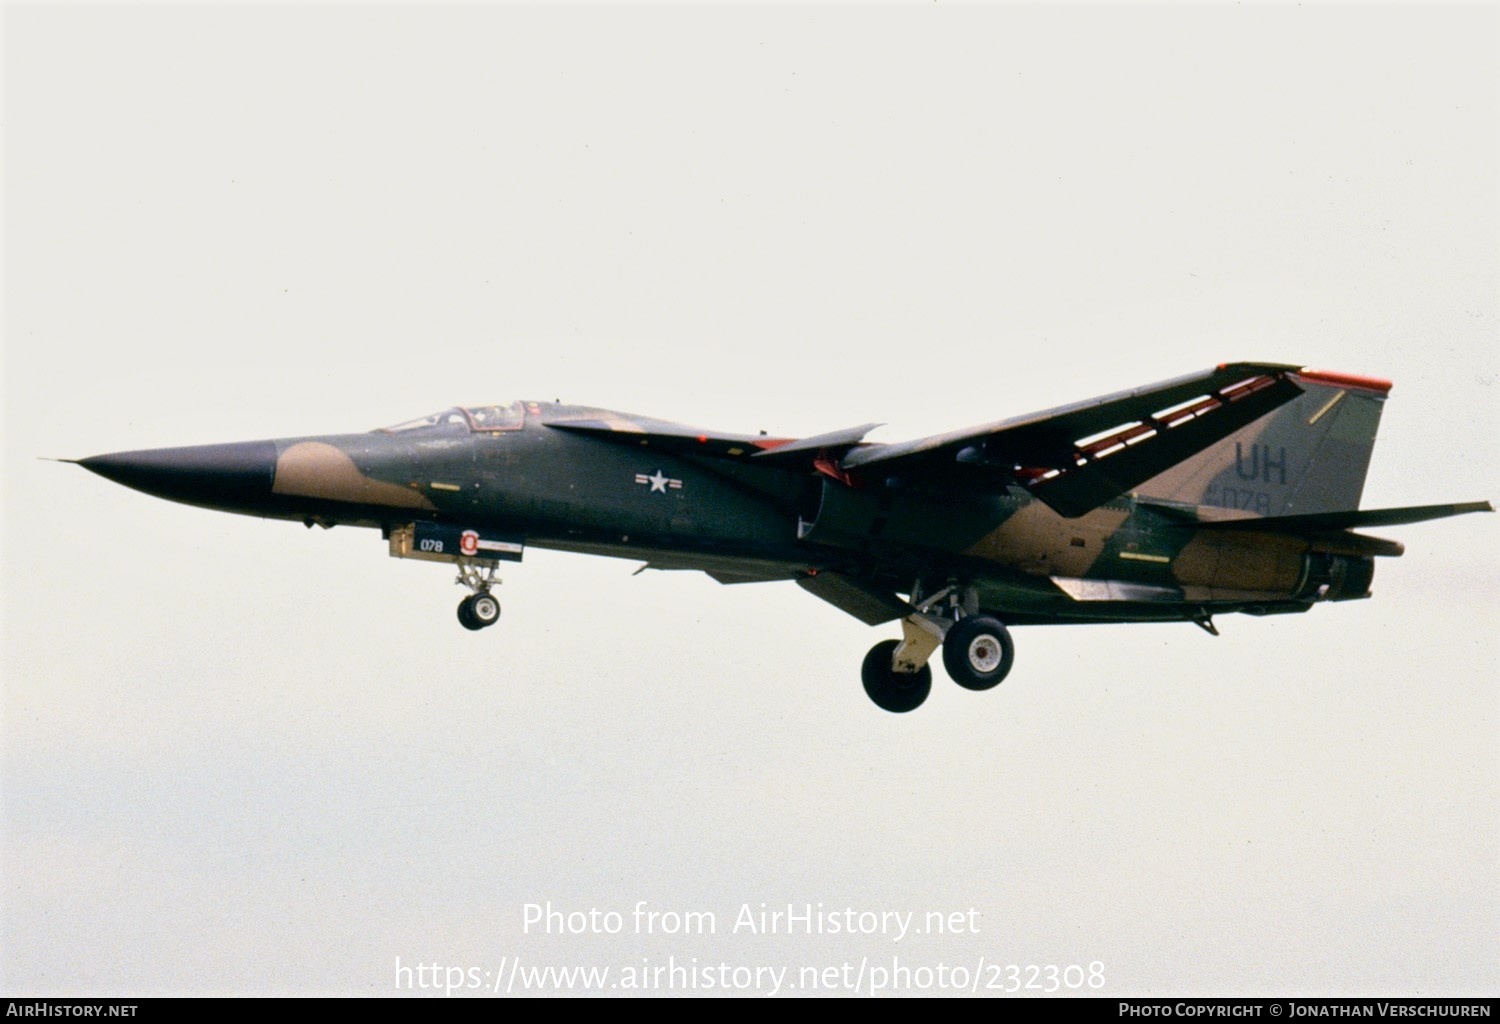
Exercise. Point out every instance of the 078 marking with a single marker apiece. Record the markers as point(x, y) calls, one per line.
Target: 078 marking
point(1238, 498)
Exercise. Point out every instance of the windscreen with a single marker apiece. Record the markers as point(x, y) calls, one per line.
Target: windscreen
point(448, 418)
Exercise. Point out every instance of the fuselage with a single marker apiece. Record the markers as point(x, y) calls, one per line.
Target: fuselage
point(518, 471)
point(1233, 489)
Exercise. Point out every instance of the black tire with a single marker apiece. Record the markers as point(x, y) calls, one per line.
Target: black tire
point(890, 690)
point(978, 652)
point(466, 614)
point(484, 608)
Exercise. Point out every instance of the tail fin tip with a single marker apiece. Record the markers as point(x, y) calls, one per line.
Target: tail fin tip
point(1345, 380)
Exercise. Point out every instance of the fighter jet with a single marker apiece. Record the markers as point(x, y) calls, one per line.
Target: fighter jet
point(1231, 490)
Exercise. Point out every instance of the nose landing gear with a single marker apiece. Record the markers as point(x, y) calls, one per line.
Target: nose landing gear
point(478, 611)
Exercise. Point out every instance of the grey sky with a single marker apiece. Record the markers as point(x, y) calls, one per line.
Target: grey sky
point(242, 757)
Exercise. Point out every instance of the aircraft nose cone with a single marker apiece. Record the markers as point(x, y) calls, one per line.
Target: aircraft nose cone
point(227, 476)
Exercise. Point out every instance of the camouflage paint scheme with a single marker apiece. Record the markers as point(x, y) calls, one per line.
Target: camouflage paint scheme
point(1230, 490)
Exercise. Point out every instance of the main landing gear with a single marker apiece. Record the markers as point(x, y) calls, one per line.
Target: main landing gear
point(480, 609)
point(977, 651)
point(892, 690)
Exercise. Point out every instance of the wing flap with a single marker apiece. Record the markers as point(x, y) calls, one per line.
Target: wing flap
point(1109, 467)
point(1077, 457)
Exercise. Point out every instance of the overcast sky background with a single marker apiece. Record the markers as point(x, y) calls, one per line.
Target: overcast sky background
point(244, 757)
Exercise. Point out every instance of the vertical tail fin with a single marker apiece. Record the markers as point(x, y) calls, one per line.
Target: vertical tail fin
point(1308, 456)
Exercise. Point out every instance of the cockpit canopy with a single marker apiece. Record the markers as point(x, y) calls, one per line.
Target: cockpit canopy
point(474, 418)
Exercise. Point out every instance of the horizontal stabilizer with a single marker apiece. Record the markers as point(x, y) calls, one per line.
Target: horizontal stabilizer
point(1319, 522)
